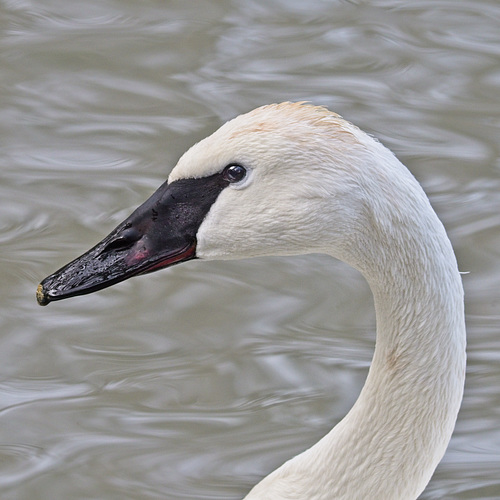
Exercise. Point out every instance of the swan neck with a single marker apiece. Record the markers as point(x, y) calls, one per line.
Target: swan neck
point(407, 409)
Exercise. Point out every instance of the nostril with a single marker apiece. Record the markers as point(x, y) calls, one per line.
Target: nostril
point(123, 240)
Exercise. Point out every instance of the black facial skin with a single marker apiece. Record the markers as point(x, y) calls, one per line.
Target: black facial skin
point(160, 233)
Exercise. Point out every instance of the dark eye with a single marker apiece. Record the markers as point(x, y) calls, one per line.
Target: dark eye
point(234, 173)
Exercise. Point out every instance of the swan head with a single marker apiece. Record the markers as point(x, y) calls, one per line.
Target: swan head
point(283, 179)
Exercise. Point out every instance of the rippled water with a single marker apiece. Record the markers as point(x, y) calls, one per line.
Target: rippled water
point(197, 381)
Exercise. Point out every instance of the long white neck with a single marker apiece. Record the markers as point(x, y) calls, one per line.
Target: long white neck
point(391, 441)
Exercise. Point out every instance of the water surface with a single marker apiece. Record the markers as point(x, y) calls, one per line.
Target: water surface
point(197, 381)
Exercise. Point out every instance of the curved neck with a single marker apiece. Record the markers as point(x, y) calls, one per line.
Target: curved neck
point(399, 428)
point(391, 441)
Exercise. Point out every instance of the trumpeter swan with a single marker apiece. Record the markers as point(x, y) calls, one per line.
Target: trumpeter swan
point(294, 178)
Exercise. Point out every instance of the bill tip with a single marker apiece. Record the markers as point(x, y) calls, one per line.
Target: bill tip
point(41, 297)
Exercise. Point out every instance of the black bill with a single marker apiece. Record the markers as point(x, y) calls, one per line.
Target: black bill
point(160, 233)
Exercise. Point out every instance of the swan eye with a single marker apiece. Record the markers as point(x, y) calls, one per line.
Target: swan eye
point(234, 173)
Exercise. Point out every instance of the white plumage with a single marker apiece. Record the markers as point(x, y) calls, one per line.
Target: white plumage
point(288, 179)
point(317, 183)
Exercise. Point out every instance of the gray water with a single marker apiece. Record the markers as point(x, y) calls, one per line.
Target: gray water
point(195, 382)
